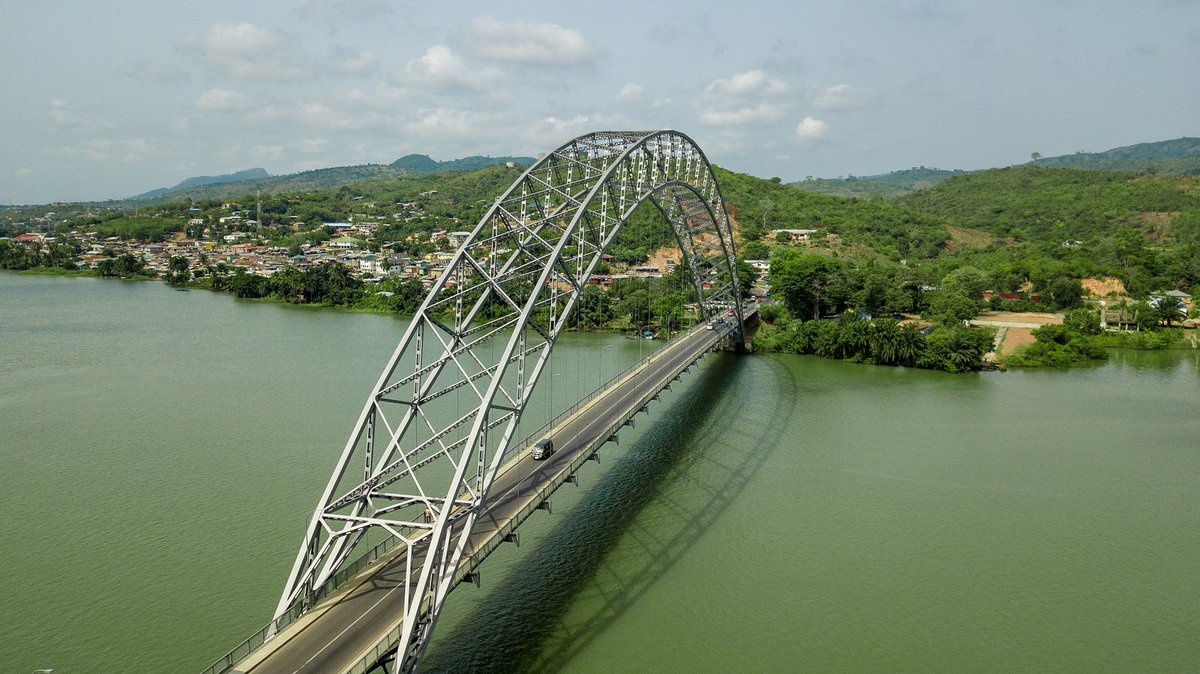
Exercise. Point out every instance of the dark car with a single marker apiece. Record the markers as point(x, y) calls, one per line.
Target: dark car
point(543, 449)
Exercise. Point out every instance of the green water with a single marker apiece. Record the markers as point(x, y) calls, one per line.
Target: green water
point(159, 452)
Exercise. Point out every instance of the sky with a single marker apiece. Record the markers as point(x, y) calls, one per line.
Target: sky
point(106, 100)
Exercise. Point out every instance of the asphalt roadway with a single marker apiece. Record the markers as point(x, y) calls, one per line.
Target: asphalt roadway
point(339, 632)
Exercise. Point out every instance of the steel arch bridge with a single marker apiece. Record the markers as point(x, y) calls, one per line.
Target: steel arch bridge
point(420, 461)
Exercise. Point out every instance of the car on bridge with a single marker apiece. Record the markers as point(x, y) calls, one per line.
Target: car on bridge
point(543, 449)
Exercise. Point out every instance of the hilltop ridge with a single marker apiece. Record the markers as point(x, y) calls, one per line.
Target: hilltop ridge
point(249, 180)
point(1175, 157)
point(198, 181)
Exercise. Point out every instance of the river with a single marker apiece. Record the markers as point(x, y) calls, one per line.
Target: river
point(160, 450)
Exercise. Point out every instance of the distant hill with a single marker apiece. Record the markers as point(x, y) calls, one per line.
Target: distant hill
point(198, 181)
point(220, 187)
point(421, 163)
point(1180, 157)
point(1054, 205)
point(883, 186)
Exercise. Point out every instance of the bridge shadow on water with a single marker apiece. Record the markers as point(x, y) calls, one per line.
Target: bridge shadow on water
point(704, 447)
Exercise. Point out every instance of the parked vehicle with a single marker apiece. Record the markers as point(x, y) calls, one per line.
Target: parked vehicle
point(543, 449)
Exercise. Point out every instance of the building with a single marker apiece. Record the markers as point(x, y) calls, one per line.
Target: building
point(795, 234)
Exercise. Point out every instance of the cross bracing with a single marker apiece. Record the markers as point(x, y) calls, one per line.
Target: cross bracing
point(441, 418)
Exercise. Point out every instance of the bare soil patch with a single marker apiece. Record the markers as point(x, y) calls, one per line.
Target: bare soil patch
point(963, 237)
point(1018, 317)
point(1104, 287)
point(1015, 338)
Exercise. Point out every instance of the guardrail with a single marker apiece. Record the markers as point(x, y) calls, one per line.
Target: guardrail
point(255, 641)
point(515, 447)
point(335, 581)
point(389, 642)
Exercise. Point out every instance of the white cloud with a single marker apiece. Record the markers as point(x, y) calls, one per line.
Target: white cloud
point(247, 51)
point(552, 130)
point(322, 115)
point(107, 150)
point(523, 42)
point(631, 93)
point(746, 98)
point(440, 68)
point(567, 128)
point(223, 100)
point(310, 145)
point(23, 172)
point(261, 153)
point(63, 117)
point(810, 129)
point(843, 97)
point(760, 112)
point(440, 124)
point(749, 83)
point(358, 63)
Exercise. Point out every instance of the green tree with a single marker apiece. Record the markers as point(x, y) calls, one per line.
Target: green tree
point(178, 272)
point(949, 307)
point(1083, 321)
point(1170, 309)
point(967, 281)
point(1065, 293)
point(746, 276)
point(594, 308)
point(910, 343)
point(809, 284)
point(955, 349)
point(248, 285)
point(755, 250)
point(288, 284)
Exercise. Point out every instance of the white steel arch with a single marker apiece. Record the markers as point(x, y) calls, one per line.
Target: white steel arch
point(419, 465)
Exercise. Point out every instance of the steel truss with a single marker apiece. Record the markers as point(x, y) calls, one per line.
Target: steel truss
point(420, 461)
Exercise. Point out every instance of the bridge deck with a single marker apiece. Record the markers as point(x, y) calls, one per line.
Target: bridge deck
point(359, 624)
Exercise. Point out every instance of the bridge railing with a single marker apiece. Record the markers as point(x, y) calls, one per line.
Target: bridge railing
point(387, 645)
point(528, 440)
point(335, 581)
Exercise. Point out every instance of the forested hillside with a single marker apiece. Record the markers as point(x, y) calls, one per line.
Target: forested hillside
point(868, 225)
point(892, 184)
point(1180, 157)
point(1144, 230)
point(252, 180)
point(197, 181)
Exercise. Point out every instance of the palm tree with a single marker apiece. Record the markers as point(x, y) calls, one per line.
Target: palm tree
point(885, 341)
point(909, 345)
point(178, 272)
point(855, 337)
